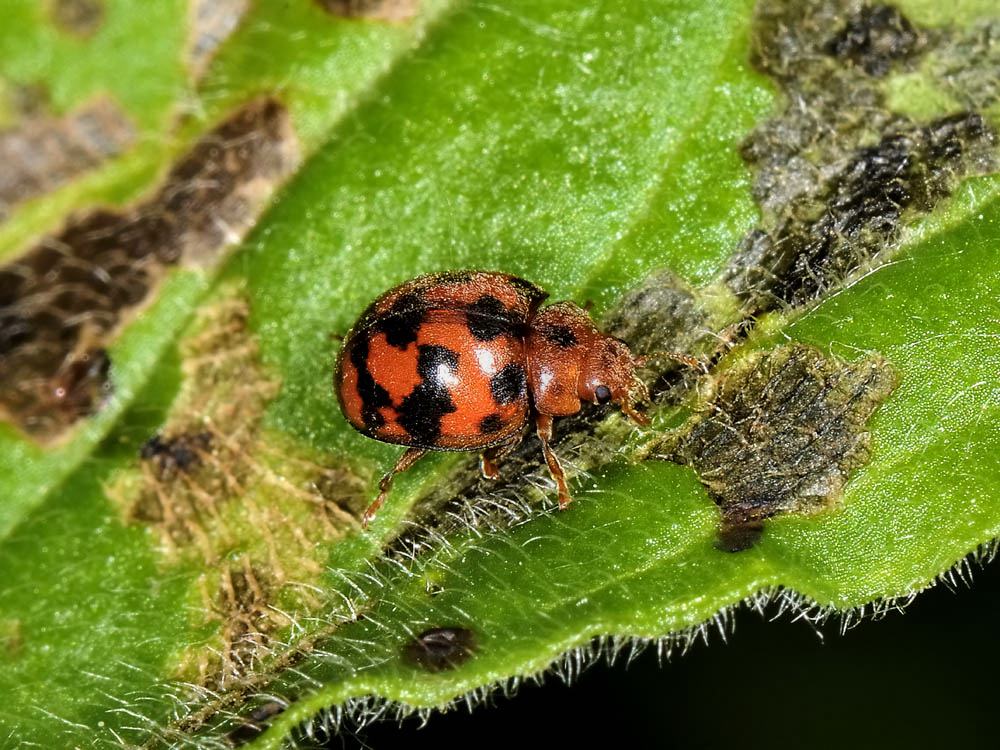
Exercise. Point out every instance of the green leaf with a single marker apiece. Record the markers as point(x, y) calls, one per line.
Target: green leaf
point(216, 580)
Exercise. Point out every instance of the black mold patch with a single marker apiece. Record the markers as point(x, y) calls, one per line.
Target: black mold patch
point(875, 38)
point(78, 17)
point(376, 10)
point(782, 434)
point(440, 649)
point(838, 172)
point(63, 300)
point(45, 152)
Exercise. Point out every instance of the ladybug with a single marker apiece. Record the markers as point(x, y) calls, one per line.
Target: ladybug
point(462, 361)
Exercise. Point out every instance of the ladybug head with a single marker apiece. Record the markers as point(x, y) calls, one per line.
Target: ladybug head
point(608, 375)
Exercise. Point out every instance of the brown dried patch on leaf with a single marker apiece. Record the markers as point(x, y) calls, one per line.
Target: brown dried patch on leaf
point(212, 21)
point(377, 10)
point(214, 484)
point(78, 17)
point(63, 301)
point(44, 152)
point(243, 610)
point(838, 172)
point(783, 433)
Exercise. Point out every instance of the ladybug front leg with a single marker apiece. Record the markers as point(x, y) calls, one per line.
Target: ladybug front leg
point(410, 457)
point(543, 423)
point(488, 460)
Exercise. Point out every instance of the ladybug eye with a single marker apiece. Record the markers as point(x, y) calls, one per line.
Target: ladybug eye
point(603, 394)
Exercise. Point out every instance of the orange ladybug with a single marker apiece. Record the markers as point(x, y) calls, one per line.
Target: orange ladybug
point(461, 362)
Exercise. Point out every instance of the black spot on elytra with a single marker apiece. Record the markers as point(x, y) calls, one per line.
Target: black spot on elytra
point(439, 649)
point(561, 336)
point(420, 412)
point(373, 396)
point(874, 38)
point(488, 318)
point(490, 424)
point(402, 321)
point(508, 385)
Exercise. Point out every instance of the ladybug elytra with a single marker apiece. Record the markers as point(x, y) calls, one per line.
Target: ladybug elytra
point(462, 361)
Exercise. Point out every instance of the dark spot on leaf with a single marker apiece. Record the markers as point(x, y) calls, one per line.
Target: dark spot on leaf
point(255, 723)
point(508, 385)
point(490, 424)
point(64, 300)
point(402, 321)
point(488, 318)
point(736, 537)
point(78, 17)
point(377, 10)
point(440, 649)
point(875, 38)
point(783, 433)
point(176, 454)
point(45, 152)
point(420, 412)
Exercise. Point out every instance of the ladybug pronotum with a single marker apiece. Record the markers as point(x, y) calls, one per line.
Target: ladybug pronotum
point(461, 362)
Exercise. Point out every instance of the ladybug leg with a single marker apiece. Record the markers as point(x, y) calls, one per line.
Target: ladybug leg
point(543, 423)
point(410, 457)
point(489, 458)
